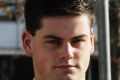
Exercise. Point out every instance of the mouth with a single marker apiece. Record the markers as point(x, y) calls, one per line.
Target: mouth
point(65, 69)
point(64, 66)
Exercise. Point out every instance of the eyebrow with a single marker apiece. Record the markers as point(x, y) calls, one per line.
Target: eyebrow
point(80, 36)
point(53, 37)
point(58, 38)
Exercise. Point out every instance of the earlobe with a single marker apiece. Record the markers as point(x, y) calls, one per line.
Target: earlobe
point(91, 49)
point(92, 43)
point(26, 40)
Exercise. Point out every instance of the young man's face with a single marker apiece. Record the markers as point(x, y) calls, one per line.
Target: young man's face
point(61, 49)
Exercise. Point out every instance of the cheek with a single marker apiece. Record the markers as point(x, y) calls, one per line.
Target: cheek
point(43, 61)
point(39, 61)
point(84, 62)
point(84, 57)
point(86, 54)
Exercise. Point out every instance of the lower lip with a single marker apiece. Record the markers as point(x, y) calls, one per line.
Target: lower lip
point(66, 70)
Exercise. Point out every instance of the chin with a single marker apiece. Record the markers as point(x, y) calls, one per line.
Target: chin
point(67, 77)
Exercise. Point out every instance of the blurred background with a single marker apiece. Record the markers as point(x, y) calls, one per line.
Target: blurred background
point(14, 65)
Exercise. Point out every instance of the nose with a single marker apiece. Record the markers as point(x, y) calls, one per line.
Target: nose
point(67, 51)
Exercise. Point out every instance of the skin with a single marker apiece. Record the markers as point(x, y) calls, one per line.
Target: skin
point(61, 49)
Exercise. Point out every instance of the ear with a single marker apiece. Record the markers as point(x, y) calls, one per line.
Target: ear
point(92, 42)
point(26, 40)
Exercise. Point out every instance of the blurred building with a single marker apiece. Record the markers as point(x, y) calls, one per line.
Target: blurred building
point(13, 64)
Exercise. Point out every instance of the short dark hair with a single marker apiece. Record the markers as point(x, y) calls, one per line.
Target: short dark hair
point(35, 10)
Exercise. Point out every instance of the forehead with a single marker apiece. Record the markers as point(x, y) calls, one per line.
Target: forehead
point(58, 19)
point(65, 25)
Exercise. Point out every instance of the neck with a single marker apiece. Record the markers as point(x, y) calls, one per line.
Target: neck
point(82, 79)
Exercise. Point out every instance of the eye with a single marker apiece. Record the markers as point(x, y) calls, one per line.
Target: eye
point(54, 42)
point(77, 41)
